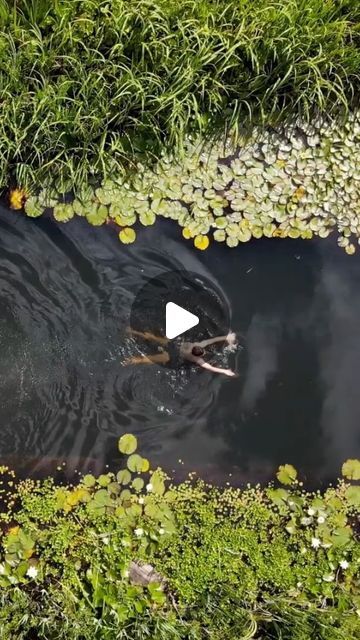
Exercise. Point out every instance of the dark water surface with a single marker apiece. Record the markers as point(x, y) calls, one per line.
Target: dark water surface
point(65, 298)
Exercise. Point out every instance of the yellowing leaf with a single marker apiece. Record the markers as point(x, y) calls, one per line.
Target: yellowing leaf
point(186, 233)
point(17, 198)
point(299, 193)
point(127, 235)
point(201, 242)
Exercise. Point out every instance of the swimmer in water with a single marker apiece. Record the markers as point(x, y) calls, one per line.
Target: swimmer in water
point(172, 352)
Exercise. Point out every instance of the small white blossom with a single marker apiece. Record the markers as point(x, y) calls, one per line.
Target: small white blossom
point(139, 532)
point(299, 585)
point(329, 577)
point(315, 543)
point(344, 564)
point(311, 511)
point(32, 572)
point(161, 531)
point(149, 487)
point(106, 540)
point(306, 521)
point(141, 500)
point(321, 519)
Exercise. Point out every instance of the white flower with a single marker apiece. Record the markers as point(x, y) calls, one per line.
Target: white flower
point(329, 577)
point(311, 511)
point(149, 487)
point(2, 569)
point(299, 585)
point(315, 543)
point(161, 531)
point(306, 521)
point(32, 572)
point(141, 500)
point(344, 564)
point(139, 532)
point(321, 519)
point(106, 540)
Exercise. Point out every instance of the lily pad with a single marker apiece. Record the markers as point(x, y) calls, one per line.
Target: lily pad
point(351, 469)
point(33, 208)
point(286, 474)
point(127, 235)
point(125, 221)
point(135, 463)
point(201, 242)
point(63, 212)
point(127, 444)
point(148, 218)
point(98, 217)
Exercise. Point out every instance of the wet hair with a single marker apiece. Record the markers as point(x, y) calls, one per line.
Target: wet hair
point(197, 351)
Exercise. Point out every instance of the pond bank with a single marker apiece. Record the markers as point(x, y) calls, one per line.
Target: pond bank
point(253, 563)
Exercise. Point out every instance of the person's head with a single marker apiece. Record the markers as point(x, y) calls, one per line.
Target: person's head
point(197, 351)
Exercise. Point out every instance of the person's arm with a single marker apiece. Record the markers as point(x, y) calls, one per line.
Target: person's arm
point(230, 338)
point(209, 367)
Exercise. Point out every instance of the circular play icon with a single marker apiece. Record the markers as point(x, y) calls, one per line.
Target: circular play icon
point(174, 313)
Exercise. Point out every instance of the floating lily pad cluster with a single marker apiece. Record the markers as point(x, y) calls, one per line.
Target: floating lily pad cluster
point(295, 181)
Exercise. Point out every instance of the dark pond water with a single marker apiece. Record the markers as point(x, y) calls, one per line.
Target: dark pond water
point(65, 299)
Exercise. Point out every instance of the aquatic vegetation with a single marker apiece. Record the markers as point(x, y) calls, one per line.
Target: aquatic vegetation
point(17, 198)
point(273, 561)
point(293, 181)
point(90, 87)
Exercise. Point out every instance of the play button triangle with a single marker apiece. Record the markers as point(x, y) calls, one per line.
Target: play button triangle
point(178, 320)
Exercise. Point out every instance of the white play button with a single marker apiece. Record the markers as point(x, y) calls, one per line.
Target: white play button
point(178, 320)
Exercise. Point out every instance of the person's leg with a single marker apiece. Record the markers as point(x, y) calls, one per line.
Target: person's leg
point(157, 358)
point(147, 335)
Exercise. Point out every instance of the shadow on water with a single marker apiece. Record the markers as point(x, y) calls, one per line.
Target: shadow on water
point(65, 299)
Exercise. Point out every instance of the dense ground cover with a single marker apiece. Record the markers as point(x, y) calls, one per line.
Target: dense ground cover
point(86, 85)
point(262, 563)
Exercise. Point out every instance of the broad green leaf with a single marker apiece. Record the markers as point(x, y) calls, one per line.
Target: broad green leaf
point(135, 463)
point(104, 480)
point(33, 208)
point(138, 484)
point(147, 218)
point(353, 496)
point(123, 476)
point(351, 469)
point(286, 474)
point(63, 212)
point(127, 444)
point(89, 480)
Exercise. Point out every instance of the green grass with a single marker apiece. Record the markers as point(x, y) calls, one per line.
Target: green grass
point(87, 86)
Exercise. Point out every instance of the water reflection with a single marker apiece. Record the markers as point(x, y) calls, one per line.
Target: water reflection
point(65, 299)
